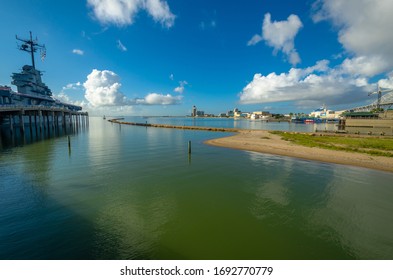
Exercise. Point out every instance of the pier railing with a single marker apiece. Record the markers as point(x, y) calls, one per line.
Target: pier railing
point(16, 108)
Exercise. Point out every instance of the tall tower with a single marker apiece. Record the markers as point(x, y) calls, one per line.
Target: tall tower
point(194, 111)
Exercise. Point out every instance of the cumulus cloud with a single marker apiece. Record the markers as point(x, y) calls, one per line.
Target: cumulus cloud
point(364, 30)
point(160, 99)
point(280, 35)
point(368, 66)
point(122, 12)
point(307, 87)
point(180, 88)
point(102, 89)
point(78, 52)
point(388, 82)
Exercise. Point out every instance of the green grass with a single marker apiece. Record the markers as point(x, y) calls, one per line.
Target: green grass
point(368, 145)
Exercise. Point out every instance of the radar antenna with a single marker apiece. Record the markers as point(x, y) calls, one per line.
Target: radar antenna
point(31, 46)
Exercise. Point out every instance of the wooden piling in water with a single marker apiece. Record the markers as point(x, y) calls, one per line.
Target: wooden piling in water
point(21, 123)
point(11, 124)
point(189, 147)
point(53, 120)
point(40, 119)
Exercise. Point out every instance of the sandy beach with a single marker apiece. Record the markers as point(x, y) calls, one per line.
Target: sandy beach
point(265, 142)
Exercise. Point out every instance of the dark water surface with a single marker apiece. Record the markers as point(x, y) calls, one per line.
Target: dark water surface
point(129, 192)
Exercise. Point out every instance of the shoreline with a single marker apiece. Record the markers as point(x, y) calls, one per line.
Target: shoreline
point(265, 142)
point(262, 141)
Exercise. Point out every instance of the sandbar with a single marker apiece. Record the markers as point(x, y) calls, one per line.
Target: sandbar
point(265, 142)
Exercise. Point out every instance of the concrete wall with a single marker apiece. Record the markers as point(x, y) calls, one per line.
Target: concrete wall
point(367, 126)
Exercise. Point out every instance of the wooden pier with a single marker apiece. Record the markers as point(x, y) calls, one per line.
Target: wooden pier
point(41, 117)
point(217, 129)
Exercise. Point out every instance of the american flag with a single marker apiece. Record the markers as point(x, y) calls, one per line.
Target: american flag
point(43, 53)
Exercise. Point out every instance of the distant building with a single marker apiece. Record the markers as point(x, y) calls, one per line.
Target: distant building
point(237, 113)
point(194, 111)
point(323, 113)
point(265, 115)
point(200, 113)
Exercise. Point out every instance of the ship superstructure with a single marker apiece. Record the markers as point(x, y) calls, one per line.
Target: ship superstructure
point(30, 88)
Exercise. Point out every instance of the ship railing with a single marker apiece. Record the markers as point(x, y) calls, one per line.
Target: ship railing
point(14, 107)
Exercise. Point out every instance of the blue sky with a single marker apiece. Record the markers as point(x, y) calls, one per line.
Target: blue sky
point(155, 57)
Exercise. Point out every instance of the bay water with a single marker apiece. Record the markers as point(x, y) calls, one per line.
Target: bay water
point(127, 192)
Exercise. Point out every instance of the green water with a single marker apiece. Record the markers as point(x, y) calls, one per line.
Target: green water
point(134, 193)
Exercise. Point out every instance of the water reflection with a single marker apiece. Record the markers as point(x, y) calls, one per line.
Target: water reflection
point(272, 188)
point(131, 228)
point(235, 123)
point(359, 212)
point(34, 133)
point(131, 193)
point(336, 204)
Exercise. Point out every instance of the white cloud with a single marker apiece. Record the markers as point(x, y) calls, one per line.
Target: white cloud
point(364, 30)
point(160, 12)
point(122, 12)
point(255, 40)
point(69, 86)
point(77, 51)
point(180, 88)
point(102, 89)
point(160, 99)
point(310, 86)
point(63, 97)
point(368, 66)
point(171, 77)
point(120, 46)
point(387, 83)
point(280, 35)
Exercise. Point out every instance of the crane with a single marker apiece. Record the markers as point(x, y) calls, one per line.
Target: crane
point(379, 91)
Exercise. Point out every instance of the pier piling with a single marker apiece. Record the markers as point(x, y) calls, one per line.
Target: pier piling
point(21, 123)
point(11, 124)
point(47, 119)
point(189, 147)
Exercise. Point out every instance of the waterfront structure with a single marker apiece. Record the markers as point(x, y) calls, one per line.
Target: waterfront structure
point(375, 118)
point(369, 123)
point(263, 115)
point(200, 113)
point(33, 98)
point(324, 113)
point(196, 113)
point(237, 113)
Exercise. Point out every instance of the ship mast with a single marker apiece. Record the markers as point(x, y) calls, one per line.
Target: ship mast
point(31, 46)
